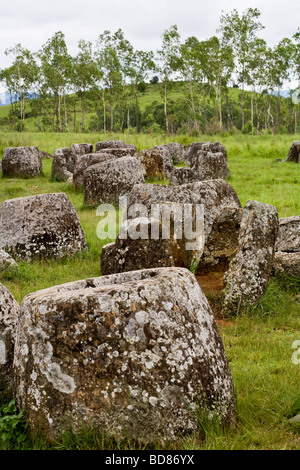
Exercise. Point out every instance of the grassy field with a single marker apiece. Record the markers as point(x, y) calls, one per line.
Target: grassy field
point(258, 343)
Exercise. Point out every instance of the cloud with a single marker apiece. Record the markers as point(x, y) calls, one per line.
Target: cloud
point(31, 23)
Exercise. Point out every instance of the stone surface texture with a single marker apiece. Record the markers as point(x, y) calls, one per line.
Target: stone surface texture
point(222, 214)
point(145, 242)
point(195, 147)
point(7, 263)
point(120, 151)
point(128, 353)
point(210, 165)
point(63, 163)
point(294, 152)
point(106, 182)
point(152, 163)
point(82, 149)
point(85, 161)
point(287, 256)
point(185, 175)
point(177, 152)
point(45, 225)
point(249, 271)
point(113, 144)
point(9, 312)
point(22, 162)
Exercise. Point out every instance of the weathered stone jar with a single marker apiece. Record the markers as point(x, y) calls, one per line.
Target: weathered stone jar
point(9, 313)
point(129, 352)
point(39, 226)
point(21, 162)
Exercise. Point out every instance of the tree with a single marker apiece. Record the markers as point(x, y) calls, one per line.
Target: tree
point(257, 77)
point(282, 56)
point(111, 54)
point(296, 71)
point(240, 32)
point(192, 67)
point(21, 75)
point(139, 65)
point(84, 74)
point(168, 62)
point(56, 66)
point(219, 69)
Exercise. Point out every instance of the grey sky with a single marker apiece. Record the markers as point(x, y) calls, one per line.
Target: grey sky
point(32, 22)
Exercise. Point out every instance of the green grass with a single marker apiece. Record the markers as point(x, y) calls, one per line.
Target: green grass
point(258, 342)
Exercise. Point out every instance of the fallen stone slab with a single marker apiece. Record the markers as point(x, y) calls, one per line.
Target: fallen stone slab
point(113, 144)
point(45, 155)
point(135, 354)
point(120, 151)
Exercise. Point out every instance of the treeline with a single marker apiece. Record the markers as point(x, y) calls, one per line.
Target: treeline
point(230, 81)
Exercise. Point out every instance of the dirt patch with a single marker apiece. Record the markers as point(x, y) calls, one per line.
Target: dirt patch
point(212, 283)
point(223, 323)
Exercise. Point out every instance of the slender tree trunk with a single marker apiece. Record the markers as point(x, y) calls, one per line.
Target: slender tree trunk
point(220, 106)
point(242, 106)
point(195, 125)
point(21, 109)
point(74, 116)
point(269, 112)
point(136, 105)
point(277, 110)
point(137, 112)
point(57, 111)
point(66, 113)
point(228, 113)
point(217, 105)
point(122, 121)
point(104, 111)
point(165, 105)
point(82, 112)
point(111, 111)
point(128, 120)
point(257, 115)
point(252, 110)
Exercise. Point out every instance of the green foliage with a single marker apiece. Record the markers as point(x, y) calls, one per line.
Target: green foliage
point(106, 88)
point(13, 428)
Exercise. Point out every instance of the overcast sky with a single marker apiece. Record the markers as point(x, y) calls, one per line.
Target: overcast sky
point(32, 22)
